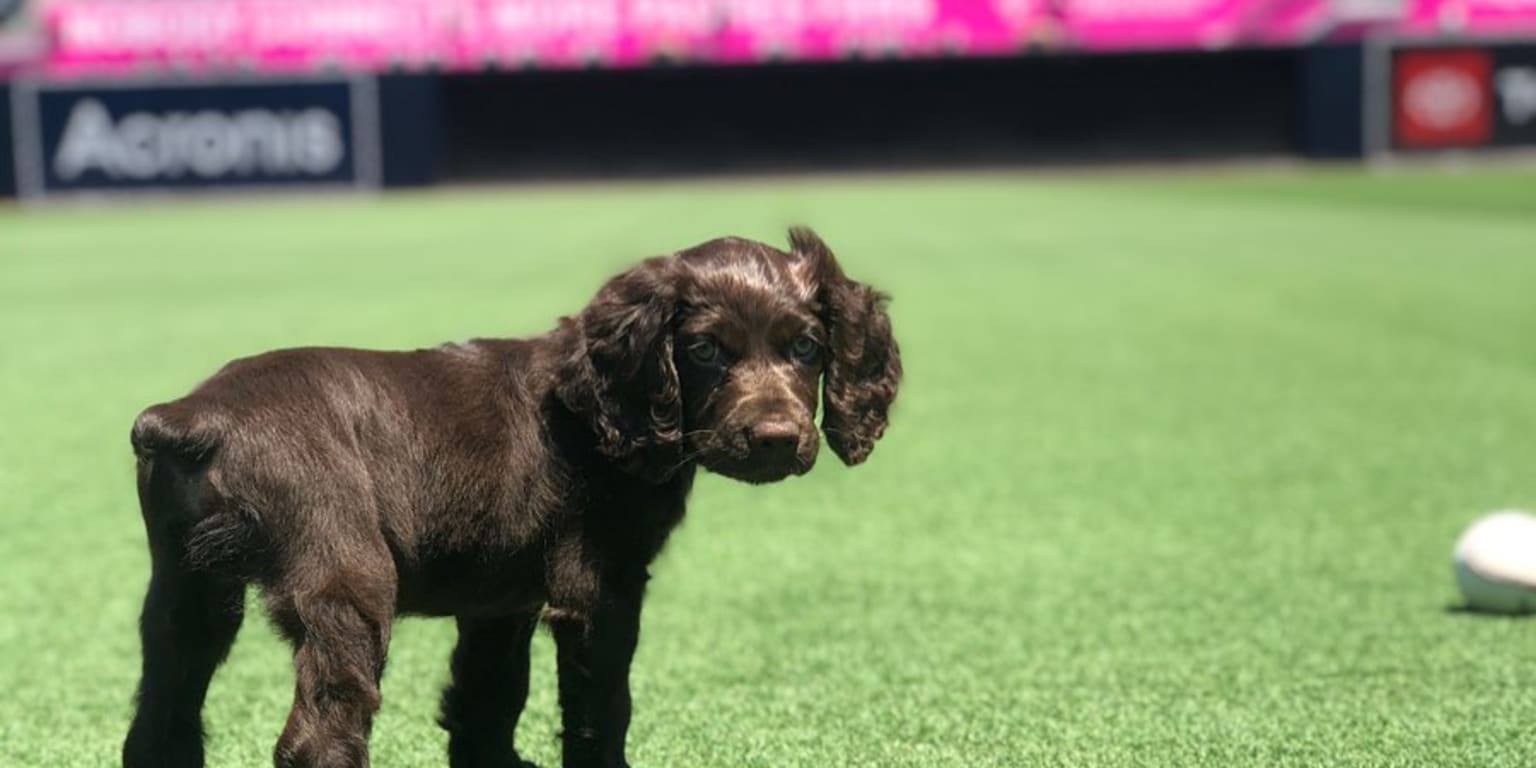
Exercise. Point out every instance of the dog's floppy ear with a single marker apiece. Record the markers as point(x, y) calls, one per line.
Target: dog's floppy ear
point(618, 370)
point(863, 361)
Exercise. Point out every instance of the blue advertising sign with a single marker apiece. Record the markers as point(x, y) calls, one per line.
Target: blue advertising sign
point(73, 138)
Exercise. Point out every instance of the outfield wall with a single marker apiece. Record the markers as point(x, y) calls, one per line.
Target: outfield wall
point(196, 132)
point(201, 132)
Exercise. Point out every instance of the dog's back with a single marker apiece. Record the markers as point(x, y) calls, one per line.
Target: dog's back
point(214, 466)
point(333, 444)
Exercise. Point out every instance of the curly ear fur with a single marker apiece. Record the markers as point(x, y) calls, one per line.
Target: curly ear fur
point(619, 373)
point(864, 363)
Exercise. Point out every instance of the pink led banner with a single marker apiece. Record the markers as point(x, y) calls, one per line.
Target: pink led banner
point(281, 35)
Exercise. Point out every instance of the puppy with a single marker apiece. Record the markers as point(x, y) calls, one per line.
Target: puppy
point(495, 481)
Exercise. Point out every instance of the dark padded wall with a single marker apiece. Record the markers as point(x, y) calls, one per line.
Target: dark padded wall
point(1030, 109)
point(1331, 99)
point(409, 119)
point(7, 145)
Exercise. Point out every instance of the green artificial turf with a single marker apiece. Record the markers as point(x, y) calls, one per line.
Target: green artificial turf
point(1173, 479)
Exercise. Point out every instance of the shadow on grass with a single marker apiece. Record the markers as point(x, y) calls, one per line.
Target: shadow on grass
point(1463, 609)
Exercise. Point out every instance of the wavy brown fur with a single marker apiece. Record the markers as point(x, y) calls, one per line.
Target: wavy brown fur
point(496, 481)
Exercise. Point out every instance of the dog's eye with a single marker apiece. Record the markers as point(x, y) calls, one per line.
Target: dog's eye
point(704, 351)
point(805, 349)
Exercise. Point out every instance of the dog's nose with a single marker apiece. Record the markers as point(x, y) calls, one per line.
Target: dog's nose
point(774, 439)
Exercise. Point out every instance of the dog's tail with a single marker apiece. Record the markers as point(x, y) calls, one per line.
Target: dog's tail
point(175, 445)
point(177, 429)
point(171, 445)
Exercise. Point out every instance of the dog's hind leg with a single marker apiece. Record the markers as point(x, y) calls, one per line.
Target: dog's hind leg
point(189, 621)
point(336, 611)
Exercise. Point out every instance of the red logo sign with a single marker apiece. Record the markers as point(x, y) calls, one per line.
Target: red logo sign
point(1442, 98)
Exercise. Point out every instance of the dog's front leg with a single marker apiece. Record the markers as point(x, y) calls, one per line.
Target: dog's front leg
point(490, 686)
point(595, 649)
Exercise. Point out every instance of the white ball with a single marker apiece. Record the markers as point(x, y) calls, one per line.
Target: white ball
point(1495, 563)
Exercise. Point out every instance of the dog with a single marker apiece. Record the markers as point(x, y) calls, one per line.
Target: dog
point(498, 481)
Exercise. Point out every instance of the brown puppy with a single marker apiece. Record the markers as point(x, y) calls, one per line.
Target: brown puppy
point(494, 481)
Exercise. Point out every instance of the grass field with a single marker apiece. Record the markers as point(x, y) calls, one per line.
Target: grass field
point(1173, 479)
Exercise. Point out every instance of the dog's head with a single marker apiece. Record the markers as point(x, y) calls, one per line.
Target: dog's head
point(713, 355)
